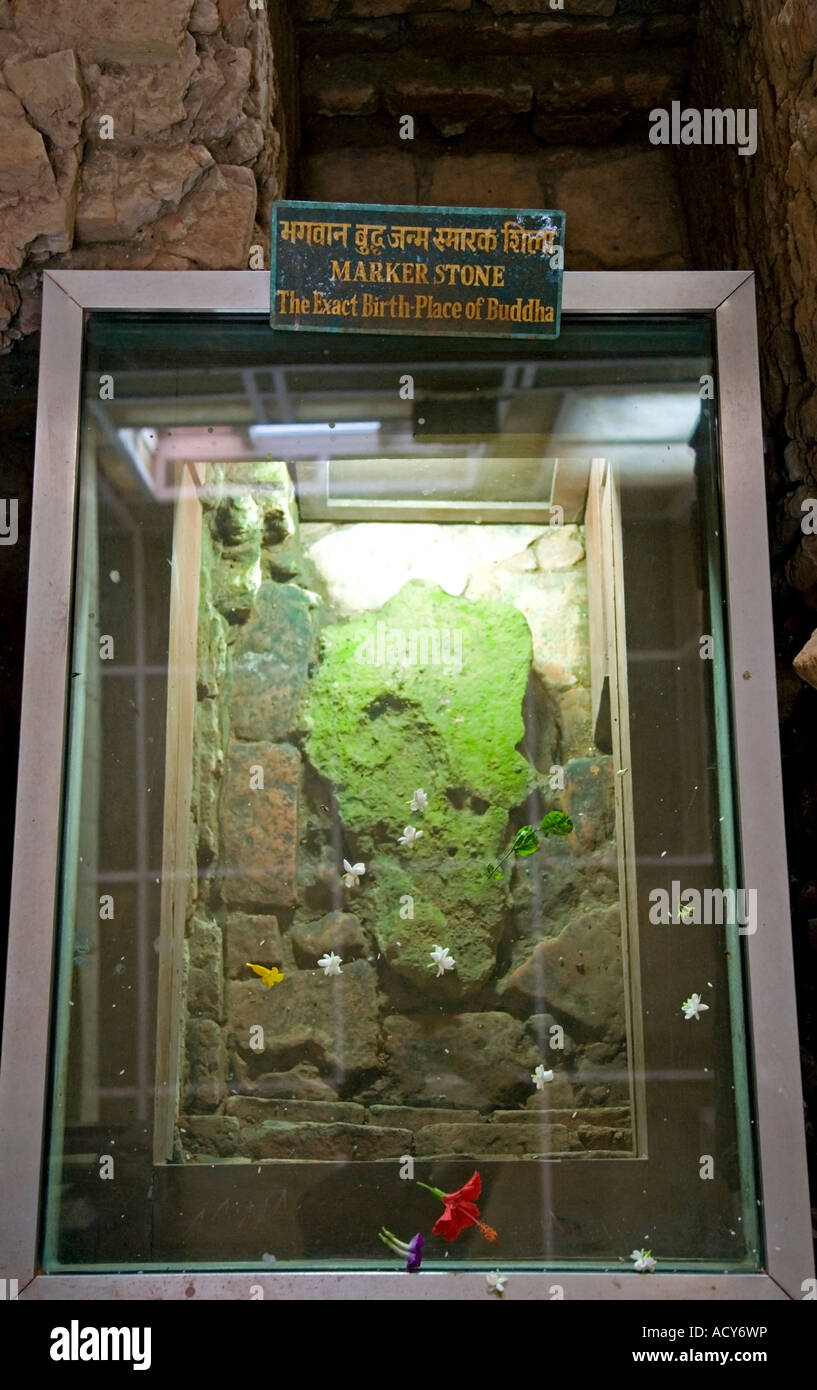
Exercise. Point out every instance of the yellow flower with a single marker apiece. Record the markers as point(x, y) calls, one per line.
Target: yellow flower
point(270, 977)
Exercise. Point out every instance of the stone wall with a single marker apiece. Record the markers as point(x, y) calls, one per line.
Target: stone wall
point(513, 104)
point(138, 136)
point(313, 732)
point(760, 213)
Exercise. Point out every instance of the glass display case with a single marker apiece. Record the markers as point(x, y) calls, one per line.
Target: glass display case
point(400, 801)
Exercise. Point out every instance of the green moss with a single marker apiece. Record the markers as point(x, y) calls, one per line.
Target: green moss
point(380, 728)
point(447, 722)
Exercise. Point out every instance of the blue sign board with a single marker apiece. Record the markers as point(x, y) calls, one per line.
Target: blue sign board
point(356, 268)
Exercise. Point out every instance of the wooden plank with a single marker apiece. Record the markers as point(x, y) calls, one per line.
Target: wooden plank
point(181, 708)
point(616, 642)
point(570, 486)
point(597, 606)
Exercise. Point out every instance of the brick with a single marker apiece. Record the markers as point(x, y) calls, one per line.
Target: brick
point(300, 1018)
point(209, 1134)
point(256, 1110)
point(251, 938)
point(205, 1065)
point(338, 932)
point(349, 176)
point(641, 227)
point(418, 1117)
point(325, 1142)
point(260, 825)
point(205, 978)
point(486, 180)
point(493, 1139)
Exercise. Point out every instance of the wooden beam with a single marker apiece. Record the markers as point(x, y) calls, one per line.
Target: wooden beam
point(181, 709)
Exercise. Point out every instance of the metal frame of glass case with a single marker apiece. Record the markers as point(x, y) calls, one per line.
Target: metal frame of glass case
point(68, 298)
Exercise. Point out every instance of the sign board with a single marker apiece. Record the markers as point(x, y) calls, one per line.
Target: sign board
point(355, 268)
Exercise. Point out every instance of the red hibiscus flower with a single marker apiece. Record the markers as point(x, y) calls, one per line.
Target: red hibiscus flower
point(461, 1210)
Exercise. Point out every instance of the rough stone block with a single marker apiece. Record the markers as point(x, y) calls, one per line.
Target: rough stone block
point(215, 99)
point(350, 175)
point(204, 18)
point(489, 1141)
point(255, 1110)
point(578, 973)
point(559, 548)
point(805, 662)
point(419, 1117)
point(205, 1065)
point(212, 228)
point(271, 660)
point(108, 30)
point(122, 191)
point(328, 1021)
point(36, 202)
point(9, 301)
point(218, 1135)
point(485, 180)
point(451, 98)
point(301, 1082)
point(589, 800)
point(208, 772)
point(334, 87)
point(576, 716)
point(325, 1143)
point(147, 105)
point(251, 938)
point(555, 607)
point(340, 932)
point(53, 93)
point(642, 224)
point(236, 518)
point(205, 979)
point(477, 1060)
point(557, 1093)
point(260, 824)
point(237, 579)
point(604, 1137)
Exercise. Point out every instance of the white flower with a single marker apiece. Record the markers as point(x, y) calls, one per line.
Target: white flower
point(540, 1076)
point(496, 1282)
point(643, 1261)
point(330, 964)
point(353, 871)
point(692, 1007)
point(419, 801)
point(409, 835)
point(443, 959)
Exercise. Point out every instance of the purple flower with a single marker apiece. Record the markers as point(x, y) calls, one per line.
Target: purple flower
point(411, 1252)
point(415, 1254)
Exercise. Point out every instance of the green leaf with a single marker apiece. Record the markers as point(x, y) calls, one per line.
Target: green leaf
point(556, 823)
point(493, 871)
point(526, 841)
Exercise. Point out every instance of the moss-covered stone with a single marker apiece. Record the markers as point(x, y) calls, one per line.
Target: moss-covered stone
point(409, 698)
point(271, 658)
point(211, 659)
point(253, 508)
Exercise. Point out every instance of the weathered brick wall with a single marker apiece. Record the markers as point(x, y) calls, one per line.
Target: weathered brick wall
point(137, 136)
point(761, 212)
point(513, 103)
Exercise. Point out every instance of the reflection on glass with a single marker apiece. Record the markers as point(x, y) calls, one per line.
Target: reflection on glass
point(399, 759)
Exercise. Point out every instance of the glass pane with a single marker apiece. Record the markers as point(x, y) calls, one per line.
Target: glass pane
point(398, 835)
